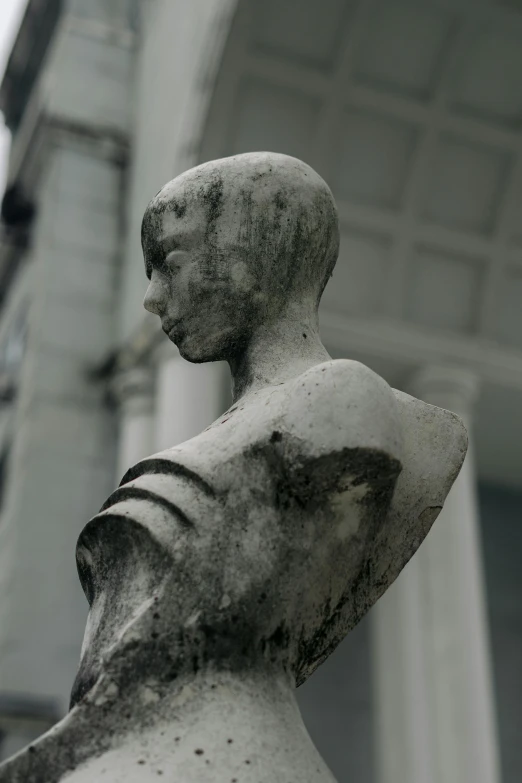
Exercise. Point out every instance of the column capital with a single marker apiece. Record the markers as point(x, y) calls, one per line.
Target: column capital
point(134, 387)
point(447, 386)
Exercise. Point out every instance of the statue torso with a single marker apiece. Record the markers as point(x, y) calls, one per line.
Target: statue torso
point(334, 454)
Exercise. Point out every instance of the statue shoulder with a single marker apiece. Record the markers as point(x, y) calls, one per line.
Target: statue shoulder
point(342, 404)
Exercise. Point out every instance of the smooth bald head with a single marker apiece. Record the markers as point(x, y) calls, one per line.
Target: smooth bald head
point(229, 245)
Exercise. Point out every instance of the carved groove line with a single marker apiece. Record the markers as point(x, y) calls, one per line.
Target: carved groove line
point(166, 467)
point(137, 493)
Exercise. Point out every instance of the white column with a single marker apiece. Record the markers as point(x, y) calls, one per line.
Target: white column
point(178, 42)
point(61, 462)
point(134, 391)
point(434, 702)
point(189, 397)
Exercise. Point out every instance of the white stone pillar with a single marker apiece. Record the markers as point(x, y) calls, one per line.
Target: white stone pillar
point(72, 146)
point(189, 397)
point(134, 391)
point(434, 704)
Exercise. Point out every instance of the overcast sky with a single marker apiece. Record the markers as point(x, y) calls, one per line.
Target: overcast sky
point(10, 16)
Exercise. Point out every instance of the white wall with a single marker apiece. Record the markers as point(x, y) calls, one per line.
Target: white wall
point(62, 460)
point(61, 463)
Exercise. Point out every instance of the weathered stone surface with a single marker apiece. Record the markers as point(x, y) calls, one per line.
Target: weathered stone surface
point(224, 570)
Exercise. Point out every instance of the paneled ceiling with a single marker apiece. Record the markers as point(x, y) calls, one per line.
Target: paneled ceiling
point(412, 111)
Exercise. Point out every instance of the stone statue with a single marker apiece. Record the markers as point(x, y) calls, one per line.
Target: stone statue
point(224, 570)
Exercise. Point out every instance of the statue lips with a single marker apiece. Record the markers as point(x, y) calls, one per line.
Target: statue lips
point(171, 329)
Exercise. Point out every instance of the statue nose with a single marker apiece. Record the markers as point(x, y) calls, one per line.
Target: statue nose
point(154, 297)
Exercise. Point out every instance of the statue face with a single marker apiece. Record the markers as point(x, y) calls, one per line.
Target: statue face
point(232, 244)
point(200, 286)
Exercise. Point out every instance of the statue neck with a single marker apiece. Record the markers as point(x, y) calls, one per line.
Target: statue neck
point(224, 725)
point(276, 353)
point(220, 724)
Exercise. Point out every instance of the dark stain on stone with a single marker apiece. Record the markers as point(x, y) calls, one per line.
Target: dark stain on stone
point(213, 200)
point(179, 208)
point(281, 203)
point(209, 631)
point(280, 637)
point(82, 684)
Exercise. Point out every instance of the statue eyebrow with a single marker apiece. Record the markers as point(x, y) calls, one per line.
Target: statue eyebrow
point(157, 252)
point(155, 260)
point(175, 241)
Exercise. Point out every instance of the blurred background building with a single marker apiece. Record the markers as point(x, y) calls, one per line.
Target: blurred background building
point(412, 111)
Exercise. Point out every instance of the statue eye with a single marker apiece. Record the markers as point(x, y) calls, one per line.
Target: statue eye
point(162, 267)
point(173, 259)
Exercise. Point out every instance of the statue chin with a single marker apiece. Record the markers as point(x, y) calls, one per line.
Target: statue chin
point(199, 351)
point(193, 353)
point(186, 350)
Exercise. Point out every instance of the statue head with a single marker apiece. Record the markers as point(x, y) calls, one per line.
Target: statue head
point(234, 245)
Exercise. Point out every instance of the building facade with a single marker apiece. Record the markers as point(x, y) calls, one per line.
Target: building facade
point(412, 112)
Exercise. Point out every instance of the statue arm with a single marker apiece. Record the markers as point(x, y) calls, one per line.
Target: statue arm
point(343, 405)
point(342, 444)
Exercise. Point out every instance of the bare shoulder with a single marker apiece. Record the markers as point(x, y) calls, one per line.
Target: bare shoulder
point(344, 404)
